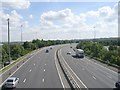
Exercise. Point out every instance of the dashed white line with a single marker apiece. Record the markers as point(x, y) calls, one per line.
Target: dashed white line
point(34, 64)
point(94, 77)
point(19, 67)
point(44, 70)
point(30, 70)
point(24, 80)
point(43, 80)
point(45, 64)
point(109, 76)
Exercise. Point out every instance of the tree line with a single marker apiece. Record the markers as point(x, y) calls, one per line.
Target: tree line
point(18, 50)
point(97, 50)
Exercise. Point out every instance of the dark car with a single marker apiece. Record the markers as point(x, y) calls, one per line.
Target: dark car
point(47, 51)
point(117, 84)
point(6, 63)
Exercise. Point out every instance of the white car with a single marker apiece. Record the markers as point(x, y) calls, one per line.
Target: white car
point(11, 82)
point(69, 53)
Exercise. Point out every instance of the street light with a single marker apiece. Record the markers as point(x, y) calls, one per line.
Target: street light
point(21, 34)
point(94, 33)
point(9, 41)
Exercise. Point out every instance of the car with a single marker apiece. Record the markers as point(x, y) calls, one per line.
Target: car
point(47, 51)
point(6, 63)
point(69, 53)
point(117, 84)
point(11, 82)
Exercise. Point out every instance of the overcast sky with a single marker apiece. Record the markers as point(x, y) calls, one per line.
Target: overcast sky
point(58, 20)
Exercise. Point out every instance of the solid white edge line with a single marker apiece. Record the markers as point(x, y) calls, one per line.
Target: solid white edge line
point(18, 62)
point(102, 66)
point(58, 70)
point(74, 72)
point(21, 66)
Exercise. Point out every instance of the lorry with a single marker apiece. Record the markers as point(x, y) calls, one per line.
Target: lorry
point(79, 53)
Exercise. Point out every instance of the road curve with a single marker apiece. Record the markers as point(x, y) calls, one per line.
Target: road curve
point(89, 72)
point(39, 71)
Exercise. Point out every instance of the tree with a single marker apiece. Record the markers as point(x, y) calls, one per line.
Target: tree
point(4, 55)
point(16, 51)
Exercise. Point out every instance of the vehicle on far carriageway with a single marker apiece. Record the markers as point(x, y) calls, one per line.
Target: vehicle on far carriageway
point(68, 53)
point(79, 53)
point(47, 51)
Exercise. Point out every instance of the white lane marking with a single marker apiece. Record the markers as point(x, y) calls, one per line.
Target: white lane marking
point(109, 76)
point(21, 65)
point(58, 70)
point(34, 64)
point(45, 64)
point(101, 66)
point(24, 80)
point(43, 80)
point(44, 70)
point(30, 70)
point(93, 77)
point(74, 72)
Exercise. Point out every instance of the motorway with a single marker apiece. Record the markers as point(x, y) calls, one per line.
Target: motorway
point(40, 71)
point(90, 73)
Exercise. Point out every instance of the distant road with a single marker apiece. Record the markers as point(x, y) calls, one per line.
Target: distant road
point(92, 74)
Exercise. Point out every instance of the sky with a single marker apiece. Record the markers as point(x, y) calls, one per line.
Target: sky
point(58, 20)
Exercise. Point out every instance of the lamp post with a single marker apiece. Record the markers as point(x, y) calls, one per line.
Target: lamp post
point(9, 41)
point(94, 33)
point(21, 34)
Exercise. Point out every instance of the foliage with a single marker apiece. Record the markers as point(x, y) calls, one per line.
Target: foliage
point(95, 49)
point(17, 49)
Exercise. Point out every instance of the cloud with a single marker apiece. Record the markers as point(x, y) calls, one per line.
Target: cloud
point(64, 24)
point(15, 22)
point(104, 19)
point(16, 4)
point(31, 16)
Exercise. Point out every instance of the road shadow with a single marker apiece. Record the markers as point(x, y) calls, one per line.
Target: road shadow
point(3, 88)
point(74, 56)
point(116, 88)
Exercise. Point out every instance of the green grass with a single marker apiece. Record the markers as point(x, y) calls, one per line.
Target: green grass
point(16, 61)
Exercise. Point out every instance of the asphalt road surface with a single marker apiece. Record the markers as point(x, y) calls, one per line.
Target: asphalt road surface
point(90, 73)
point(40, 71)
